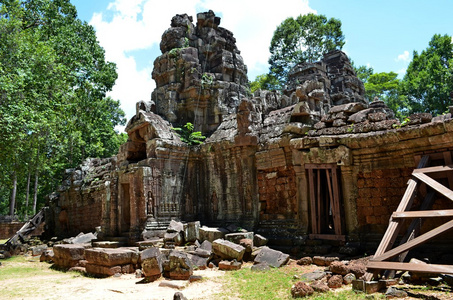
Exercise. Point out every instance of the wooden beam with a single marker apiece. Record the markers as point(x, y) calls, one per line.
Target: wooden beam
point(447, 168)
point(412, 267)
point(435, 185)
point(336, 202)
point(415, 242)
point(395, 225)
point(423, 214)
point(311, 188)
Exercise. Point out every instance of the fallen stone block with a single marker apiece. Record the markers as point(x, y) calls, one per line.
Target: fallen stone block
point(272, 257)
point(313, 276)
point(83, 238)
point(109, 257)
point(237, 237)
point(102, 271)
point(320, 287)
point(68, 255)
point(151, 262)
point(179, 296)
point(305, 261)
point(175, 226)
point(38, 250)
point(337, 267)
point(228, 250)
point(212, 234)
point(200, 263)
point(229, 265)
point(301, 289)
point(262, 267)
point(47, 256)
point(175, 238)
point(259, 240)
point(178, 266)
point(348, 278)
point(192, 231)
point(393, 292)
point(324, 261)
point(335, 281)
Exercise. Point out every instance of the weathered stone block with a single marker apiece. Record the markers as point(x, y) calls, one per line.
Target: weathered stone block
point(178, 266)
point(192, 231)
point(259, 240)
point(229, 265)
point(102, 270)
point(212, 234)
point(228, 250)
point(272, 257)
point(237, 237)
point(69, 255)
point(151, 262)
point(109, 257)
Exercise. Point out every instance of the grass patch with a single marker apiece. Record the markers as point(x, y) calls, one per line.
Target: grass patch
point(275, 284)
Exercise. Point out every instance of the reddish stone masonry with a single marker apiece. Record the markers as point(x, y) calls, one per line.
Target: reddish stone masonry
point(379, 193)
point(277, 193)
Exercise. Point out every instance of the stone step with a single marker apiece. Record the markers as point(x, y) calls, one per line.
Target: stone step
point(107, 244)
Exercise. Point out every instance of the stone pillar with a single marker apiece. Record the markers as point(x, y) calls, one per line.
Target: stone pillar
point(349, 191)
point(302, 197)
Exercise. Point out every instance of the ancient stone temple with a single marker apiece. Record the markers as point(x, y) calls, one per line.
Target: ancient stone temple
point(317, 161)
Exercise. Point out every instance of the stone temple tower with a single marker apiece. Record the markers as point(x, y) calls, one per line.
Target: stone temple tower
point(200, 76)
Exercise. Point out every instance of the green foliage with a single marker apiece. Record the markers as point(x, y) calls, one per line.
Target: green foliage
point(386, 86)
point(189, 136)
point(264, 82)
point(53, 105)
point(428, 82)
point(304, 39)
point(206, 80)
point(362, 72)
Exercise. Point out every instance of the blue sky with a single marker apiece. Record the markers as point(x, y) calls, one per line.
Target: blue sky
point(380, 34)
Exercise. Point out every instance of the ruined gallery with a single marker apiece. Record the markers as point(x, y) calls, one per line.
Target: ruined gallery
point(315, 162)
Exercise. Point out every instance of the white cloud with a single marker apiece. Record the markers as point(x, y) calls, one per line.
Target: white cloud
point(403, 57)
point(139, 24)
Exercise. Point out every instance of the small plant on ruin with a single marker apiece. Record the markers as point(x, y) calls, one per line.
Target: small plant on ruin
point(187, 135)
point(206, 80)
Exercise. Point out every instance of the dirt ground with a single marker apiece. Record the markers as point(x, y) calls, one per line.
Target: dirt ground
point(48, 284)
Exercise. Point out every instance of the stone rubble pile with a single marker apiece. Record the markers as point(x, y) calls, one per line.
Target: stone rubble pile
point(205, 247)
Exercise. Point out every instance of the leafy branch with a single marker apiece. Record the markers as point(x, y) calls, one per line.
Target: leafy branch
point(189, 136)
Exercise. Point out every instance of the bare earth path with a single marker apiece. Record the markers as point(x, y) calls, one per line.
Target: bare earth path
point(45, 283)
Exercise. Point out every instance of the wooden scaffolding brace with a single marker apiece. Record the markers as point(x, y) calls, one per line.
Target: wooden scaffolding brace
point(420, 180)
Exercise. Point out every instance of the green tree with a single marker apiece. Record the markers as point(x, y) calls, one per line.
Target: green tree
point(264, 82)
point(386, 87)
point(428, 83)
point(362, 72)
point(53, 105)
point(304, 39)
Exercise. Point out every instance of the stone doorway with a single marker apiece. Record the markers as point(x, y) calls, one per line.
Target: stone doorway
point(326, 206)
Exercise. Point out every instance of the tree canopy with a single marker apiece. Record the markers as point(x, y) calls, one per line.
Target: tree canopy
point(53, 104)
point(428, 82)
point(304, 39)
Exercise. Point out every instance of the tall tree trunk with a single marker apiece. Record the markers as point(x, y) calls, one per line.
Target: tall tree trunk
point(28, 195)
point(35, 195)
point(12, 202)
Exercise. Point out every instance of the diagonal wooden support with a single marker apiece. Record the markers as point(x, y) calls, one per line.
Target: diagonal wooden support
point(435, 185)
point(424, 268)
point(415, 242)
point(395, 225)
